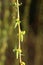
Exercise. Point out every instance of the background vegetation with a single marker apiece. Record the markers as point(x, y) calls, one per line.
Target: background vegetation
point(31, 15)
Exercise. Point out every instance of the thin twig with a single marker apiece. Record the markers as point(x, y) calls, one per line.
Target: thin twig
point(18, 17)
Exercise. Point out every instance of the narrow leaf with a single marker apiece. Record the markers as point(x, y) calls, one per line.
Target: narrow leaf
point(21, 38)
point(17, 54)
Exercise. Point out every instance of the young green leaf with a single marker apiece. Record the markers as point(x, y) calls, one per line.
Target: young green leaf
point(22, 63)
point(22, 33)
point(18, 51)
point(17, 23)
point(21, 38)
point(17, 55)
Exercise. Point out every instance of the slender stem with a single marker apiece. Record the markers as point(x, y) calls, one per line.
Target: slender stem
point(18, 17)
point(18, 10)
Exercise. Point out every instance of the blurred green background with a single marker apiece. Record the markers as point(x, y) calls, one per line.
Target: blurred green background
point(31, 16)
